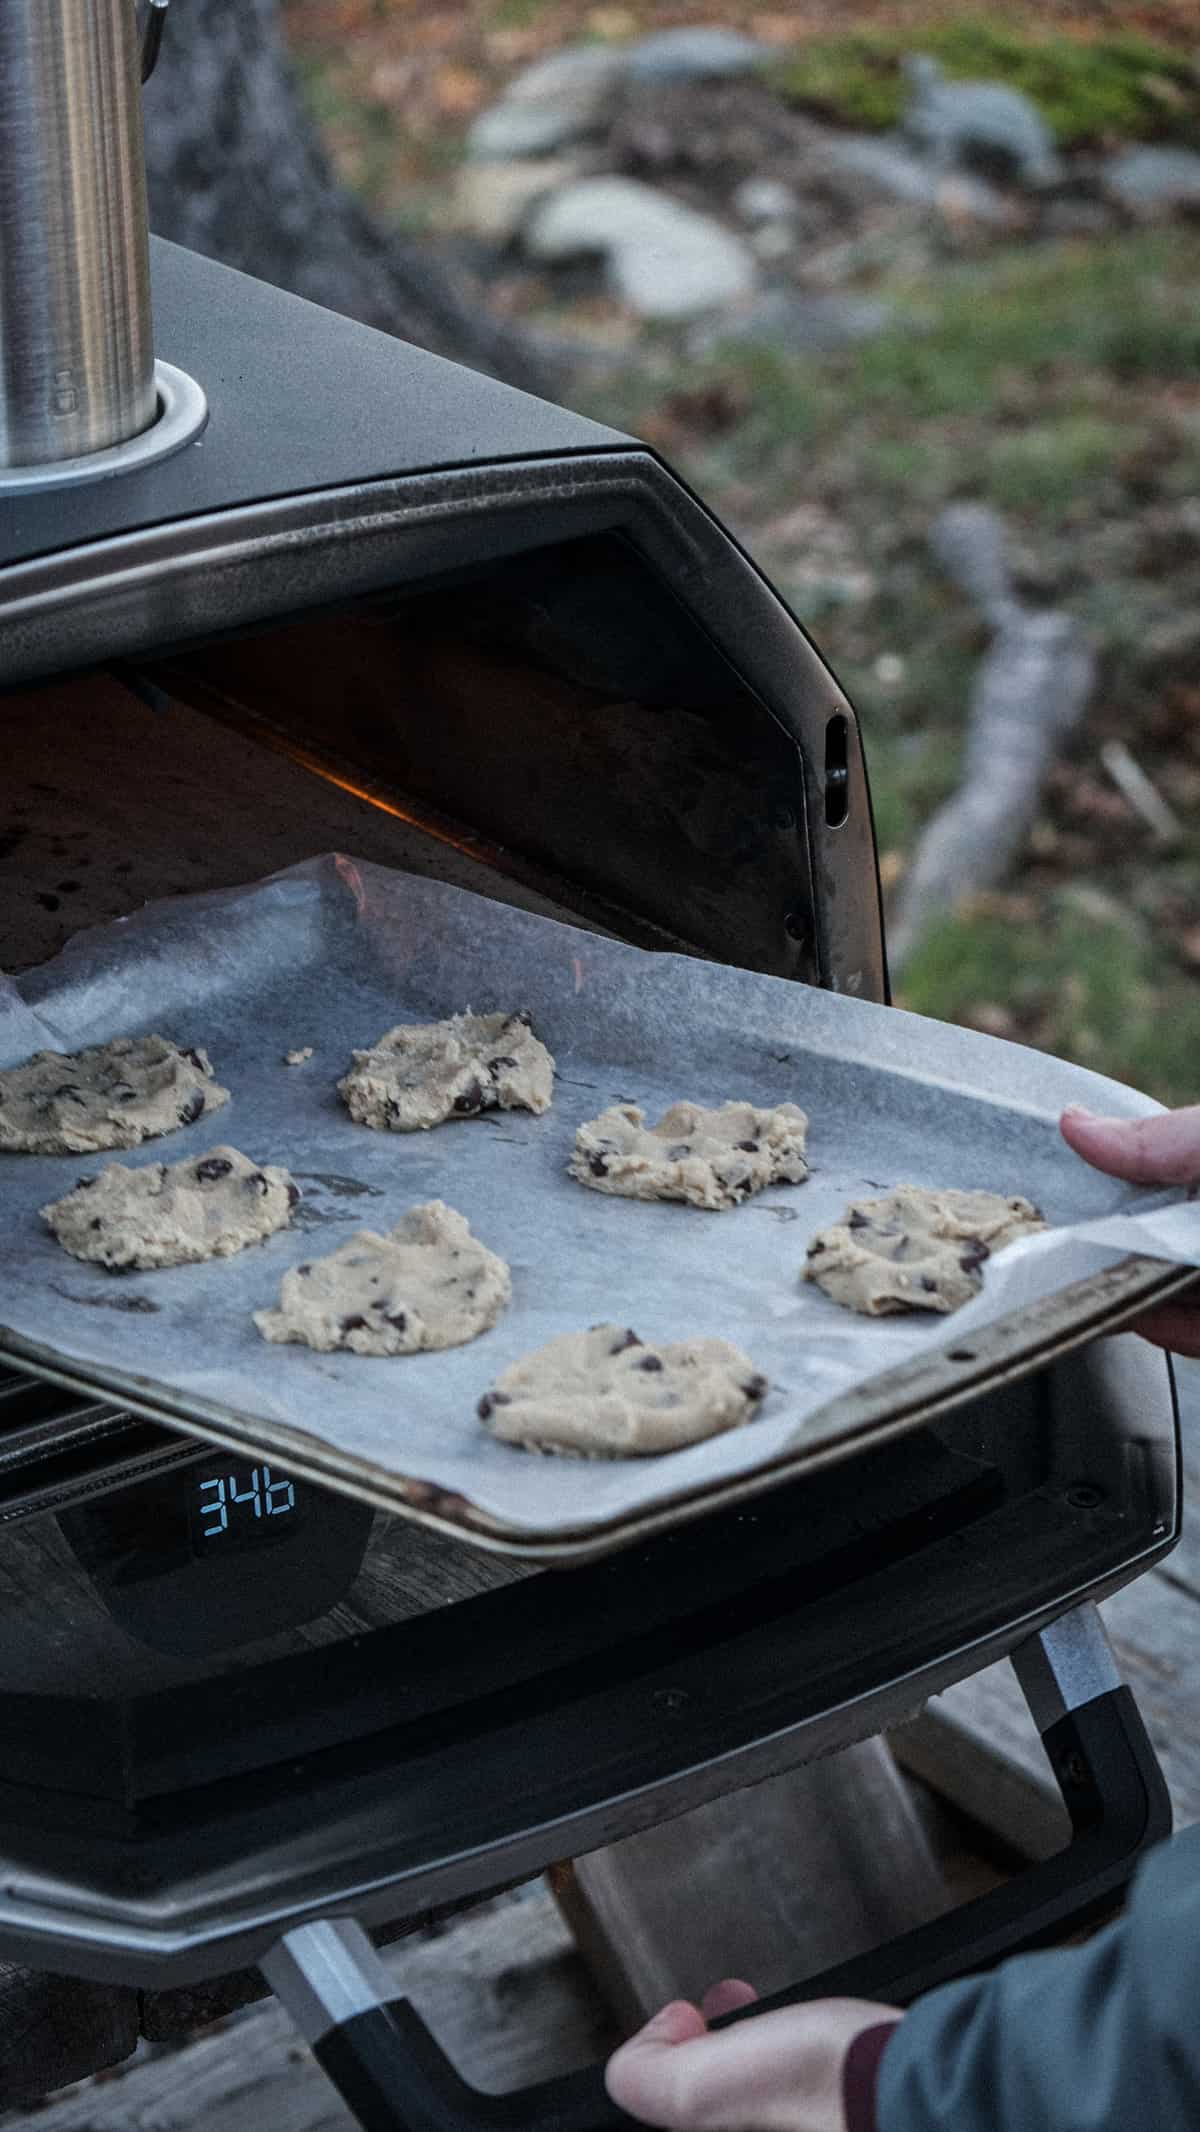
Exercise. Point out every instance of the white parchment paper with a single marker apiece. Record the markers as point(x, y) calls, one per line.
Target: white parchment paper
point(334, 952)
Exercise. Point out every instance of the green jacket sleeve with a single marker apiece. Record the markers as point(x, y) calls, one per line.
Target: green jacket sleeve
point(1099, 2038)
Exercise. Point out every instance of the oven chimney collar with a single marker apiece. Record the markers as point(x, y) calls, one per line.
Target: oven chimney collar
point(79, 392)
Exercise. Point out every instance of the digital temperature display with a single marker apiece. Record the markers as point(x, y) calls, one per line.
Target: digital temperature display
point(238, 1506)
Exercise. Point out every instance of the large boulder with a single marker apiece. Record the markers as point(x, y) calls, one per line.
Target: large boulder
point(664, 260)
point(557, 100)
point(697, 54)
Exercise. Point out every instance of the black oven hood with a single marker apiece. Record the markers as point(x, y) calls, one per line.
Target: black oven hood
point(299, 399)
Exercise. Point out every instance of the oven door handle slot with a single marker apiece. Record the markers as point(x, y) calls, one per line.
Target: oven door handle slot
point(393, 2077)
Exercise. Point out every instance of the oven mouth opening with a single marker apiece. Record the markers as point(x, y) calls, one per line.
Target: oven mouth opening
point(182, 412)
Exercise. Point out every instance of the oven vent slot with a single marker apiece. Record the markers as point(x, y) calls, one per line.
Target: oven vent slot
point(57, 1448)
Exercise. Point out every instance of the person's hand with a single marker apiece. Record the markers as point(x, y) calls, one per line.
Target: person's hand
point(1160, 1150)
point(781, 2072)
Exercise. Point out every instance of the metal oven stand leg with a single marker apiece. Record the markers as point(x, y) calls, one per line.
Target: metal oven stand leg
point(385, 2064)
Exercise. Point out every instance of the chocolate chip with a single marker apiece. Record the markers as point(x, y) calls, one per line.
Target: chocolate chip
point(304, 1270)
point(398, 1318)
point(215, 1166)
point(748, 1147)
point(192, 1107)
point(597, 1165)
point(258, 1182)
point(124, 1093)
point(928, 1284)
point(84, 1184)
point(68, 1090)
point(649, 1362)
point(95, 1222)
point(974, 1256)
point(499, 1065)
point(196, 1059)
point(293, 1193)
point(855, 1220)
point(679, 1153)
point(355, 1323)
point(523, 1016)
point(814, 1247)
point(755, 1386)
point(628, 1339)
point(484, 1407)
point(471, 1099)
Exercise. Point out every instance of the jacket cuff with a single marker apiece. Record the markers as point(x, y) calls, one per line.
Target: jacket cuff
point(860, 2076)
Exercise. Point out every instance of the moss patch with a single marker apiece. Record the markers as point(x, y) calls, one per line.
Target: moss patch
point(1089, 90)
point(1098, 993)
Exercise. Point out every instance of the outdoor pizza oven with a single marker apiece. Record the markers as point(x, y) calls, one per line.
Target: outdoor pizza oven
point(377, 597)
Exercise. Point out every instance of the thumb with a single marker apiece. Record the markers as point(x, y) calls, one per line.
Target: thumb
point(1159, 1150)
point(641, 2075)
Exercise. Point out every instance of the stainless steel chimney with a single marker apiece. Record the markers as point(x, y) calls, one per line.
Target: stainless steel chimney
point(76, 348)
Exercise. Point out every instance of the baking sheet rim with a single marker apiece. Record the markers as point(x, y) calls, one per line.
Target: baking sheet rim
point(1125, 1290)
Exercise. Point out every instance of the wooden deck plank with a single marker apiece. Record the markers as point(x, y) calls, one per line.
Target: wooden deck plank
point(775, 1883)
point(503, 1990)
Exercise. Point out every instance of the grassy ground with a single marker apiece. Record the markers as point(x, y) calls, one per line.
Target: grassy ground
point(1059, 382)
point(1062, 385)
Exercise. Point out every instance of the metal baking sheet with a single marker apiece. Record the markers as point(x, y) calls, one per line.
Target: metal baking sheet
point(333, 952)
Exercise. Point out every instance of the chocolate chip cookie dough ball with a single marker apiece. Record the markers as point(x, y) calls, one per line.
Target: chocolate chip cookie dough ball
point(423, 1073)
point(915, 1249)
point(172, 1214)
point(111, 1095)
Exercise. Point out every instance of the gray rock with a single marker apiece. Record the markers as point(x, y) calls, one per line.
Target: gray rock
point(558, 99)
point(664, 260)
point(1151, 182)
point(694, 55)
point(774, 240)
point(764, 200)
point(491, 200)
point(885, 169)
point(958, 123)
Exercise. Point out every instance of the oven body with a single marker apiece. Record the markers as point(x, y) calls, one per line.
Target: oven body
point(340, 470)
point(523, 656)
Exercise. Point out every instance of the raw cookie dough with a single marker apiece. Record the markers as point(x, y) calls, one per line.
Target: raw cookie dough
point(172, 1214)
point(112, 1095)
point(915, 1249)
point(607, 1394)
point(422, 1073)
point(429, 1284)
point(711, 1158)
